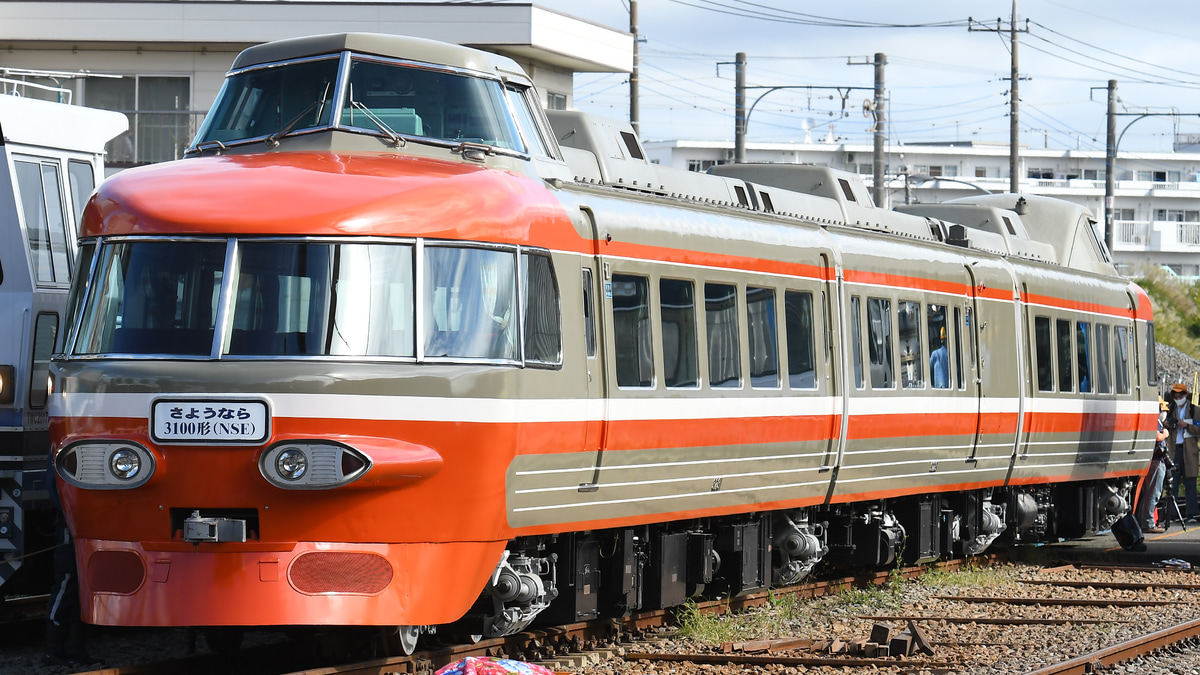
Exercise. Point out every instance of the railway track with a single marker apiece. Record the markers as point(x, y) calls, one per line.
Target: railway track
point(996, 632)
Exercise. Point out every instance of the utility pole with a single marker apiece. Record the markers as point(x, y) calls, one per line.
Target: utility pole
point(634, 114)
point(739, 105)
point(1014, 129)
point(1110, 165)
point(877, 190)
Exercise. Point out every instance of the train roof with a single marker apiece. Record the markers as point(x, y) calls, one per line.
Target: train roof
point(47, 124)
point(378, 44)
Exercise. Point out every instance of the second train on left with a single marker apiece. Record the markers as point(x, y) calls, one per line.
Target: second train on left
point(393, 347)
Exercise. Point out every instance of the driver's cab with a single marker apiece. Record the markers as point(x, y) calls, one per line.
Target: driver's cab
point(363, 92)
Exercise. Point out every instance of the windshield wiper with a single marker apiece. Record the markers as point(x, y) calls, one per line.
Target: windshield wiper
point(273, 139)
point(395, 138)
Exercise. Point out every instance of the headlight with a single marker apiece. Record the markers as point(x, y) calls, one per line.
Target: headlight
point(312, 464)
point(124, 463)
point(8, 384)
point(291, 463)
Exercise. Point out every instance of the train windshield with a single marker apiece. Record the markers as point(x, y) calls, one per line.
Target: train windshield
point(315, 298)
point(391, 99)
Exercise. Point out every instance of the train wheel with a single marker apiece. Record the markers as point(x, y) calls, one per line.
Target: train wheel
point(408, 638)
point(224, 639)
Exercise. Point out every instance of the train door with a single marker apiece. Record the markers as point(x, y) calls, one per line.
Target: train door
point(833, 297)
point(966, 352)
point(593, 278)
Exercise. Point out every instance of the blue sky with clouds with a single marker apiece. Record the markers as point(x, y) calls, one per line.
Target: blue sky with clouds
point(944, 83)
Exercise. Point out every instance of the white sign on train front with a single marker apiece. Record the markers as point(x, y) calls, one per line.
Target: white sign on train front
point(203, 420)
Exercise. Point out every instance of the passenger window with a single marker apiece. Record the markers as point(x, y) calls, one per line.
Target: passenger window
point(798, 320)
point(634, 360)
point(1062, 330)
point(677, 308)
point(856, 337)
point(760, 329)
point(45, 333)
point(958, 352)
point(535, 142)
point(721, 320)
point(939, 354)
point(469, 304)
point(1083, 356)
point(1121, 352)
point(539, 291)
point(1151, 357)
point(1043, 353)
point(41, 202)
point(589, 313)
point(83, 263)
point(912, 365)
point(879, 343)
point(83, 181)
point(1103, 360)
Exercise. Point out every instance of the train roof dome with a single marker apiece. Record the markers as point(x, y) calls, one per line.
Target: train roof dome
point(379, 44)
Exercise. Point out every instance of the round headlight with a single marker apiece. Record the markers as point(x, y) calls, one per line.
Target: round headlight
point(291, 463)
point(124, 463)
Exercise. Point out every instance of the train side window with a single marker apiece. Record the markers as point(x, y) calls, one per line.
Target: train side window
point(1121, 358)
point(634, 358)
point(40, 189)
point(45, 333)
point(1083, 356)
point(1103, 360)
point(536, 144)
point(856, 336)
point(912, 365)
point(677, 309)
point(83, 268)
point(721, 322)
point(939, 354)
point(1151, 357)
point(760, 329)
point(798, 321)
point(589, 312)
point(1043, 353)
point(82, 180)
point(543, 329)
point(958, 359)
point(1066, 379)
point(879, 343)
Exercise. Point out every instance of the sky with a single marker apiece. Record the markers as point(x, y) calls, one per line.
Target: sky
point(944, 82)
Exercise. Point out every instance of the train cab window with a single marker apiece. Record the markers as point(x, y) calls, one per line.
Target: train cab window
point(798, 322)
point(278, 100)
point(83, 267)
point(1043, 353)
point(856, 338)
point(40, 188)
point(958, 355)
point(1062, 334)
point(939, 353)
point(760, 329)
point(912, 365)
point(589, 313)
point(518, 98)
point(634, 358)
point(1151, 357)
point(82, 181)
point(879, 343)
point(539, 296)
point(1121, 358)
point(153, 297)
point(1103, 360)
point(677, 310)
point(469, 303)
point(1083, 357)
point(721, 322)
point(45, 333)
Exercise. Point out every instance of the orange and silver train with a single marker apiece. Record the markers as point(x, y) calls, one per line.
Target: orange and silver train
point(394, 346)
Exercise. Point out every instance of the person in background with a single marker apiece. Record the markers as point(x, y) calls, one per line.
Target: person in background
point(1152, 485)
point(939, 364)
point(1182, 446)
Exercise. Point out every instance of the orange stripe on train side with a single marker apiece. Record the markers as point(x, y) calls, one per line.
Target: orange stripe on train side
point(1083, 422)
point(1065, 303)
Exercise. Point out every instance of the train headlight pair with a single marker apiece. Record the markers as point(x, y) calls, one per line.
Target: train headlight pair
point(104, 465)
point(312, 465)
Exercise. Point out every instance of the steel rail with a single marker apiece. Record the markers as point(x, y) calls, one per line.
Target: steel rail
point(1125, 651)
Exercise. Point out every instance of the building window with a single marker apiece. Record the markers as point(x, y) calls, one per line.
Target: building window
point(948, 170)
point(1123, 214)
point(703, 165)
point(1177, 215)
point(1094, 174)
point(556, 101)
point(158, 107)
point(1040, 174)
